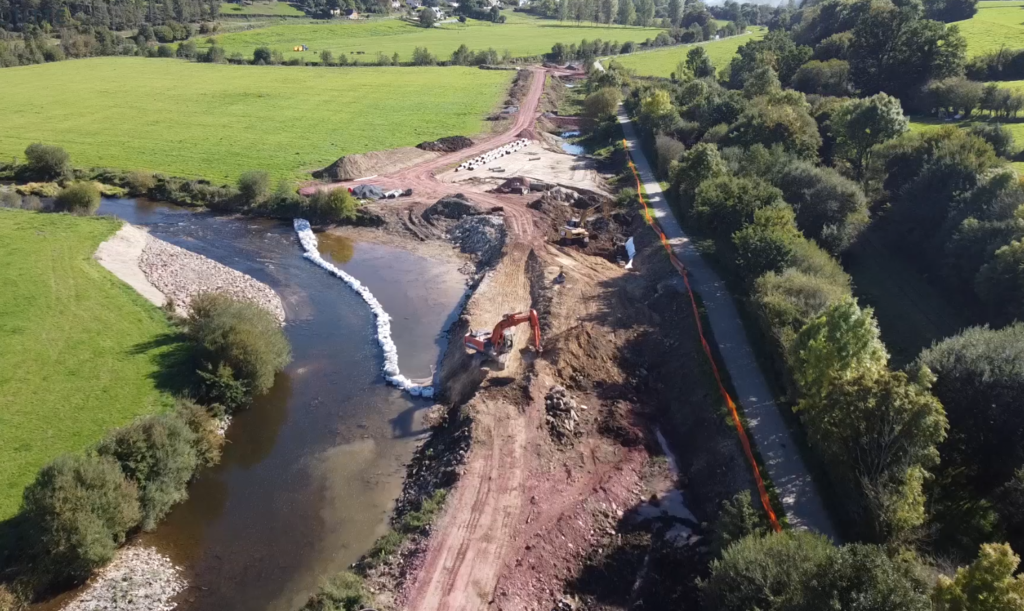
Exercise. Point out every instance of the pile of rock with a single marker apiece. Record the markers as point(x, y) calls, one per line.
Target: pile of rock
point(483, 235)
point(138, 578)
point(181, 275)
point(562, 415)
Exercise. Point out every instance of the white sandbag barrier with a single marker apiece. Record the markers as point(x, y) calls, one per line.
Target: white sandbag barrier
point(390, 368)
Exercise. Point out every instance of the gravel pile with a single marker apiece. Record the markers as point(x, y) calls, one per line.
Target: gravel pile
point(453, 207)
point(483, 236)
point(181, 275)
point(562, 416)
point(138, 579)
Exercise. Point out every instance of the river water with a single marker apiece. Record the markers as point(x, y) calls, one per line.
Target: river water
point(312, 469)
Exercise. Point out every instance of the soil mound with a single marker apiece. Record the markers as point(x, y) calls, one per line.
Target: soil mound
point(351, 167)
point(448, 144)
point(483, 236)
point(453, 207)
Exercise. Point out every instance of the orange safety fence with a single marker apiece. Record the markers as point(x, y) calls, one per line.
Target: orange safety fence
point(744, 439)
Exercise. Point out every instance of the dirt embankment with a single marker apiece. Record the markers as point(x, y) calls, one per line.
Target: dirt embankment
point(374, 163)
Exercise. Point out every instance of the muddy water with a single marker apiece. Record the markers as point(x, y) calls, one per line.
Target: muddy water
point(310, 472)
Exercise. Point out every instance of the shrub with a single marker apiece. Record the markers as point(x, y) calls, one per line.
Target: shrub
point(786, 302)
point(47, 162)
point(239, 335)
point(422, 57)
point(80, 508)
point(1000, 283)
point(158, 453)
point(737, 520)
point(331, 206)
point(208, 441)
point(78, 198)
point(165, 50)
point(262, 55)
point(667, 150)
point(186, 50)
point(215, 55)
point(139, 183)
point(10, 199)
point(221, 387)
point(987, 584)
point(766, 245)
point(809, 258)
point(326, 57)
point(830, 209)
point(998, 136)
point(726, 204)
point(9, 601)
point(602, 103)
point(254, 187)
point(343, 592)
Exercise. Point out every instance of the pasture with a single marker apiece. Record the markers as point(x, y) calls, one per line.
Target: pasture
point(997, 24)
point(521, 36)
point(80, 348)
point(663, 62)
point(1015, 126)
point(218, 121)
point(263, 8)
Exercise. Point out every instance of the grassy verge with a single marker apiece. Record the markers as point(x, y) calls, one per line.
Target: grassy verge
point(663, 62)
point(218, 121)
point(81, 350)
point(411, 523)
point(522, 36)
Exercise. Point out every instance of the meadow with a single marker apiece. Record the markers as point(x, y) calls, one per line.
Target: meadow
point(663, 62)
point(281, 9)
point(80, 348)
point(522, 35)
point(997, 24)
point(218, 121)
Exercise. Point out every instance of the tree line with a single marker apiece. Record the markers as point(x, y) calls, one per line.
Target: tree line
point(118, 15)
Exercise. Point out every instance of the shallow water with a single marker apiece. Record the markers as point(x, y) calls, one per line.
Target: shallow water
point(568, 147)
point(312, 469)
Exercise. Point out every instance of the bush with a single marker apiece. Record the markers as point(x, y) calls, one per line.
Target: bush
point(331, 206)
point(239, 335)
point(766, 245)
point(186, 50)
point(343, 592)
point(47, 162)
point(166, 50)
point(422, 57)
point(790, 300)
point(737, 520)
point(830, 209)
point(208, 441)
point(262, 56)
point(139, 183)
point(215, 55)
point(9, 601)
point(1000, 283)
point(254, 187)
point(158, 453)
point(79, 198)
point(830, 78)
point(726, 204)
point(998, 136)
point(602, 103)
point(987, 584)
point(80, 507)
point(667, 150)
point(10, 199)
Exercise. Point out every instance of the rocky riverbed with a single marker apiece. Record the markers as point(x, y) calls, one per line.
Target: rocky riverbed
point(181, 275)
point(138, 578)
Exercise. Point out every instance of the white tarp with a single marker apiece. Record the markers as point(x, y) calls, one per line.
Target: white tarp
point(390, 367)
point(631, 252)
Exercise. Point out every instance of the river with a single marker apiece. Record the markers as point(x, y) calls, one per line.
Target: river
point(311, 471)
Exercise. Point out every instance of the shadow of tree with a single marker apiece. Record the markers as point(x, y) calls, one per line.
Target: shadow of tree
point(176, 362)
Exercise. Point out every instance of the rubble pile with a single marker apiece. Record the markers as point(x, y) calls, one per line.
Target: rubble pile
point(448, 144)
point(562, 415)
point(138, 578)
point(452, 207)
point(182, 274)
point(483, 235)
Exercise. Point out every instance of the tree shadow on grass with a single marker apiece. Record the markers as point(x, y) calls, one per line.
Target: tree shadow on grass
point(176, 362)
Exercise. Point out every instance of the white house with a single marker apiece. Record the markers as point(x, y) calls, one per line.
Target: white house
point(438, 12)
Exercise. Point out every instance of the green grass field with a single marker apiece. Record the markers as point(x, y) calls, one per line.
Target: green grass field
point(997, 24)
point(74, 362)
point(918, 123)
point(522, 36)
point(218, 121)
point(281, 9)
point(662, 62)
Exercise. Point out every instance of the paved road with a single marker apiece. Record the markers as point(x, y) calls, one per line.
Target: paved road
point(800, 500)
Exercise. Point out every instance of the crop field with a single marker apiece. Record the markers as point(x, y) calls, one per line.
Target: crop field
point(218, 121)
point(997, 24)
point(663, 62)
point(282, 9)
point(522, 36)
point(79, 346)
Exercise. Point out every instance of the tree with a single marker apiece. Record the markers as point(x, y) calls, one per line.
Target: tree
point(998, 136)
point(79, 507)
point(878, 431)
point(262, 56)
point(836, 46)
point(657, 111)
point(78, 198)
point(766, 245)
point(602, 103)
point(626, 14)
point(768, 123)
point(644, 12)
point(422, 57)
point(701, 163)
point(215, 55)
point(462, 56)
point(988, 584)
point(254, 187)
point(608, 9)
point(332, 206)
point(863, 123)
point(763, 81)
point(829, 78)
point(726, 204)
point(159, 455)
point(427, 18)
point(737, 520)
point(841, 343)
point(895, 51)
point(675, 11)
point(830, 209)
point(776, 51)
point(699, 64)
point(1000, 282)
point(47, 162)
point(326, 57)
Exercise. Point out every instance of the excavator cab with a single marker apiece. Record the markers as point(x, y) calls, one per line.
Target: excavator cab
point(574, 232)
point(497, 343)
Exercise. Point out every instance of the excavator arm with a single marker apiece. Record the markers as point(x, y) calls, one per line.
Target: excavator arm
point(496, 343)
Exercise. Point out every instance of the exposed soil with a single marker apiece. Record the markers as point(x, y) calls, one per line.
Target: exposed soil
point(448, 144)
point(354, 167)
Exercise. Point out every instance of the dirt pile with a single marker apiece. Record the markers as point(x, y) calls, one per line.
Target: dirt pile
point(562, 415)
point(482, 236)
point(374, 163)
point(454, 207)
point(448, 144)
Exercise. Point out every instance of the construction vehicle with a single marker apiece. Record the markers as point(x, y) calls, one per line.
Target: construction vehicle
point(497, 343)
point(575, 230)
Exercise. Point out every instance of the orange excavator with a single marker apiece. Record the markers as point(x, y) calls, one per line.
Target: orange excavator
point(497, 343)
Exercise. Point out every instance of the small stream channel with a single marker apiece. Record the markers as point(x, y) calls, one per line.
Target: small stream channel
point(312, 469)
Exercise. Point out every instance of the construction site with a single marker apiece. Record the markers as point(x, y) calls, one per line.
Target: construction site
point(579, 438)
